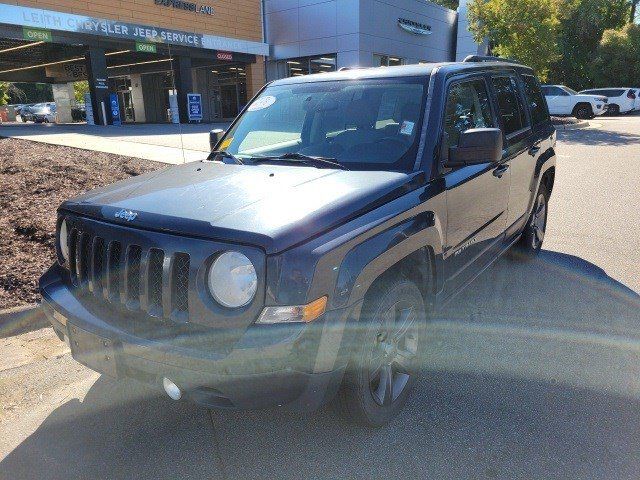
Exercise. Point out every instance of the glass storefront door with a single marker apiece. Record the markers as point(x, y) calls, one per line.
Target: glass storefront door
point(223, 89)
point(122, 86)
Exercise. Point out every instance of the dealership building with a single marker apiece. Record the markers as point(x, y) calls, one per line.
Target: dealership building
point(171, 60)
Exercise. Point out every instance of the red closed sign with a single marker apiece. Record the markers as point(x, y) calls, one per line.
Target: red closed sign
point(228, 56)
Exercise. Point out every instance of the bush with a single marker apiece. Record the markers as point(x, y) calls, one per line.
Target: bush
point(617, 61)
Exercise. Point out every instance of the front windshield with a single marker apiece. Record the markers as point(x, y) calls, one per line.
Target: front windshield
point(570, 90)
point(361, 124)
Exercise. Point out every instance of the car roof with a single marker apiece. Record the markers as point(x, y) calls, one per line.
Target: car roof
point(418, 70)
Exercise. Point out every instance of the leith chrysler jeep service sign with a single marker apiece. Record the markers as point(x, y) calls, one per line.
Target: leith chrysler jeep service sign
point(38, 18)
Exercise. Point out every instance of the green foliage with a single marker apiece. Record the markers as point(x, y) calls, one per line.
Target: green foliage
point(4, 93)
point(581, 27)
point(79, 89)
point(452, 4)
point(524, 30)
point(617, 62)
point(30, 93)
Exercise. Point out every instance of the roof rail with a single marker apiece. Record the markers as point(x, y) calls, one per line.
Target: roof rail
point(481, 58)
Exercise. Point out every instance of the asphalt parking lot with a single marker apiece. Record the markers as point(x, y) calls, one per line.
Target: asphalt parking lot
point(534, 373)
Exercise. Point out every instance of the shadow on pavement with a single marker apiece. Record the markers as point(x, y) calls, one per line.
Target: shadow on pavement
point(597, 137)
point(523, 381)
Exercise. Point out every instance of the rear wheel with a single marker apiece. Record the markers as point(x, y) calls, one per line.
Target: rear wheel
point(613, 109)
point(530, 243)
point(386, 359)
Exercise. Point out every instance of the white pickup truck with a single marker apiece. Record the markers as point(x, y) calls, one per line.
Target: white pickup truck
point(564, 101)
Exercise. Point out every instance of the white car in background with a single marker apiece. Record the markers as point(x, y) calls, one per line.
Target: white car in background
point(564, 101)
point(621, 100)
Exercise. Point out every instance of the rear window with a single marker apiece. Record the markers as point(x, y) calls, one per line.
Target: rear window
point(611, 93)
point(510, 106)
point(537, 107)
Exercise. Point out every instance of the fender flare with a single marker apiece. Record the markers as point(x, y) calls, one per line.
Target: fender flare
point(364, 264)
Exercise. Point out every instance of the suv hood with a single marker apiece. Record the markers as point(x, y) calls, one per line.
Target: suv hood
point(271, 206)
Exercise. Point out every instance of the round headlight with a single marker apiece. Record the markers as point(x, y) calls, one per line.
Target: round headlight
point(63, 238)
point(232, 280)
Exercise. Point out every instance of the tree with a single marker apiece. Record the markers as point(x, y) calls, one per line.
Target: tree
point(79, 89)
point(30, 93)
point(617, 61)
point(10, 93)
point(525, 30)
point(4, 93)
point(634, 9)
point(582, 24)
point(452, 4)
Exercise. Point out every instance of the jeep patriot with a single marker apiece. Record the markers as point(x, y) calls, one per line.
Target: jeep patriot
point(301, 262)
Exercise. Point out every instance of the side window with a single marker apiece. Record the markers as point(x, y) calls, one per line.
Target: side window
point(537, 107)
point(467, 107)
point(509, 104)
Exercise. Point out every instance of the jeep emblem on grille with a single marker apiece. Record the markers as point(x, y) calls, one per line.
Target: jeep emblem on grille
point(127, 215)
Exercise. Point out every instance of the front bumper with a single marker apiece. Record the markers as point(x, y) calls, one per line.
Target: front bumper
point(298, 365)
point(600, 111)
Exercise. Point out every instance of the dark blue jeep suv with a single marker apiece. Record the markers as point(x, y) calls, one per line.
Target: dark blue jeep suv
point(302, 260)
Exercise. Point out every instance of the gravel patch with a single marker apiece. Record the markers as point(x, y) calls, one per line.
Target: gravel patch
point(35, 179)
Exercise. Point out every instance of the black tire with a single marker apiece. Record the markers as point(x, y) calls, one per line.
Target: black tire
point(613, 110)
point(530, 243)
point(583, 111)
point(387, 355)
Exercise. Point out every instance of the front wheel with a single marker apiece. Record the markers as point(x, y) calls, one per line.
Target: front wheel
point(386, 358)
point(584, 112)
point(530, 243)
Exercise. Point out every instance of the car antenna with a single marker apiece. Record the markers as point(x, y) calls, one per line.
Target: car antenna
point(175, 90)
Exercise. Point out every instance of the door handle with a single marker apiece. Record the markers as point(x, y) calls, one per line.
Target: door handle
point(500, 171)
point(533, 151)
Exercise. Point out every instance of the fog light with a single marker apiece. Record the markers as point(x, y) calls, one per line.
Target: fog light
point(172, 389)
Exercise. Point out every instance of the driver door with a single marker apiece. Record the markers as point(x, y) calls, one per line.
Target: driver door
point(477, 195)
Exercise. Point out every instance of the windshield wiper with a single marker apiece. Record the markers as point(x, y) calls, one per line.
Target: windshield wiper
point(225, 154)
point(301, 158)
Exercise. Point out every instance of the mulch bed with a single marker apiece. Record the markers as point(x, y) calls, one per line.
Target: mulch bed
point(565, 120)
point(34, 179)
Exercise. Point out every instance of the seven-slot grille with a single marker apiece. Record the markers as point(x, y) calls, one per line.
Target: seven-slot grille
point(126, 274)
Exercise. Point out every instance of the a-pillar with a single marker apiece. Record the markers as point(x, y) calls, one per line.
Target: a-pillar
point(64, 96)
point(98, 85)
point(184, 84)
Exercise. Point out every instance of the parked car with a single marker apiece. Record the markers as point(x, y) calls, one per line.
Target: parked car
point(26, 114)
point(563, 101)
point(44, 112)
point(621, 100)
point(302, 261)
point(79, 113)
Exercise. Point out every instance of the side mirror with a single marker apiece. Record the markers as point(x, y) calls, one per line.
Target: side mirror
point(475, 146)
point(215, 136)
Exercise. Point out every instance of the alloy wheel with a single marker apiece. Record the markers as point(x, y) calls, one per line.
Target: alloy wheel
point(538, 221)
point(394, 354)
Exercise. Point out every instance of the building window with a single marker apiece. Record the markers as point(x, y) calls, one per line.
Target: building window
point(296, 67)
point(386, 61)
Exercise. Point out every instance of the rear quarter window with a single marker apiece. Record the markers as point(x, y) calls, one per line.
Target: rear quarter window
point(537, 106)
point(510, 107)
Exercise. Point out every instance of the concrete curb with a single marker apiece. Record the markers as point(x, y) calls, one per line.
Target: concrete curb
point(572, 126)
point(14, 321)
